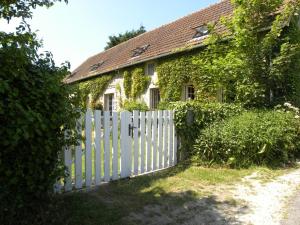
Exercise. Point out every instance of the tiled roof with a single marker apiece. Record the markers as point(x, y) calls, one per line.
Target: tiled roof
point(159, 42)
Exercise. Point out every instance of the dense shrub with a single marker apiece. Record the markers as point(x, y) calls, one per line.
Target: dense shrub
point(260, 138)
point(192, 117)
point(35, 110)
point(163, 105)
point(97, 105)
point(131, 105)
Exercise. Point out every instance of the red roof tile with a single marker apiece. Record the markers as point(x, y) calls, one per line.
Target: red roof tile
point(162, 41)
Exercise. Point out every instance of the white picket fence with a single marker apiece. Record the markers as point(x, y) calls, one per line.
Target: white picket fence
point(119, 145)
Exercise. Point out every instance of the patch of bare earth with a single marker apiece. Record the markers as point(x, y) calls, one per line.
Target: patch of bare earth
point(252, 201)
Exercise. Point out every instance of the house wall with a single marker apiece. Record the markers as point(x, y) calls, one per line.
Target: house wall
point(116, 87)
point(113, 89)
point(119, 93)
point(153, 84)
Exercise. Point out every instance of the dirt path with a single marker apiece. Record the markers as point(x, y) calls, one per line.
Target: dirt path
point(250, 202)
point(293, 214)
point(266, 202)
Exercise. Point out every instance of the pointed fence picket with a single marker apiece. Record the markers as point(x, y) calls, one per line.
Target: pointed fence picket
point(119, 145)
point(88, 148)
point(78, 157)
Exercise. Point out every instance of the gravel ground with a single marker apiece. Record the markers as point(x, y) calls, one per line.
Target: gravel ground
point(252, 202)
point(267, 202)
point(293, 214)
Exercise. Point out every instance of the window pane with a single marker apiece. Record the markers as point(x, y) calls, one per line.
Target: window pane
point(151, 69)
point(190, 93)
point(201, 31)
point(154, 98)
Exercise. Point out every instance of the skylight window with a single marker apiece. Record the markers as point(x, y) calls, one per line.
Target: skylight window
point(139, 50)
point(201, 31)
point(96, 66)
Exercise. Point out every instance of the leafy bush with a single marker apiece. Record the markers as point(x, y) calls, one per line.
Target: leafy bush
point(260, 138)
point(191, 117)
point(97, 105)
point(163, 105)
point(131, 105)
point(35, 110)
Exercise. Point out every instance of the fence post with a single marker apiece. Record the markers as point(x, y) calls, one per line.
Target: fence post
point(98, 147)
point(115, 145)
point(135, 130)
point(166, 122)
point(78, 156)
point(88, 148)
point(154, 141)
point(68, 164)
point(160, 139)
point(106, 146)
point(148, 141)
point(142, 141)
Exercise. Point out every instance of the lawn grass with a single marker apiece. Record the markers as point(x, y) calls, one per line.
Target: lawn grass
point(109, 203)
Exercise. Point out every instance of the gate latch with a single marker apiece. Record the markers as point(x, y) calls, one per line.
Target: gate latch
point(130, 130)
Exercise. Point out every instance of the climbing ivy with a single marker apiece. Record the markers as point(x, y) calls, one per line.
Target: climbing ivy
point(135, 82)
point(127, 83)
point(263, 58)
point(256, 63)
point(193, 67)
point(94, 88)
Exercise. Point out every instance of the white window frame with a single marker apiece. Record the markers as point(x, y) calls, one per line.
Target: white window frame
point(147, 68)
point(107, 102)
point(203, 35)
point(186, 91)
point(154, 101)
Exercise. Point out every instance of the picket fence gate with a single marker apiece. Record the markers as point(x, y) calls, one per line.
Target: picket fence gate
point(119, 145)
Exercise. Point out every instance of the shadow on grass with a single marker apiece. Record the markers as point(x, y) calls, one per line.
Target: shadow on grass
point(150, 199)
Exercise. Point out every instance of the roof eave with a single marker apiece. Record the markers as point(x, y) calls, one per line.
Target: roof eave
point(173, 52)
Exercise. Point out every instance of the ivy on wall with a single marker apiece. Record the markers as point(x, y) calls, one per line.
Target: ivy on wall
point(127, 83)
point(252, 67)
point(135, 82)
point(191, 67)
point(262, 62)
point(93, 88)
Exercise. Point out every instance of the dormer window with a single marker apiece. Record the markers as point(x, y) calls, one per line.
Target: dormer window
point(201, 31)
point(96, 66)
point(139, 50)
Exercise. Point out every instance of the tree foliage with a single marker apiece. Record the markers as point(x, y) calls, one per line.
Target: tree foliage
point(122, 37)
point(22, 8)
point(37, 110)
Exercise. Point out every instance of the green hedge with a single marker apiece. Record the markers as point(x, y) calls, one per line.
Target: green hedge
point(35, 110)
point(131, 105)
point(192, 117)
point(254, 138)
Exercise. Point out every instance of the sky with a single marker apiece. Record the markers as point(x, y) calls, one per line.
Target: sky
point(75, 31)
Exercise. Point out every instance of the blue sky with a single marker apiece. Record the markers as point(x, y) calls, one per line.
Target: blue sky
point(80, 29)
